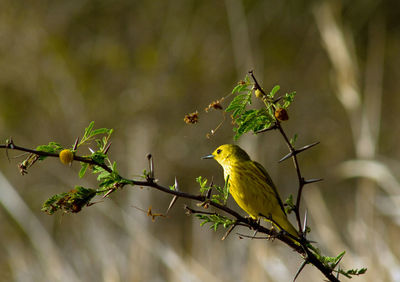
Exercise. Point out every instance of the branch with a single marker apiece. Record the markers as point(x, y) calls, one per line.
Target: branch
point(150, 182)
point(300, 247)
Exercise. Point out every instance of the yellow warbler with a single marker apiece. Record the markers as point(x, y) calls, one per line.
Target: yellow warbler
point(251, 186)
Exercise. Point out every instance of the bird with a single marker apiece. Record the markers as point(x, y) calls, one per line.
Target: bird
point(251, 187)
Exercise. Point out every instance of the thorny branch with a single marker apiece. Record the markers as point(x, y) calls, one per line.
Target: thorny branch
point(292, 154)
point(300, 247)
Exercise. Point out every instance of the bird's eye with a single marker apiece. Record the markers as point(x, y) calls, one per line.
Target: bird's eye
point(219, 151)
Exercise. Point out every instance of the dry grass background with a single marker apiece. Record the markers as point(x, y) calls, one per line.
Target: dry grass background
point(138, 67)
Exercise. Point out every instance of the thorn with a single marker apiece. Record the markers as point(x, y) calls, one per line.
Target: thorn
point(338, 261)
point(208, 195)
point(173, 201)
point(228, 231)
point(242, 236)
point(109, 192)
point(176, 184)
point(76, 143)
point(313, 180)
point(287, 156)
point(300, 269)
point(107, 148)
point(297, 151)
point(91, 150)
point(277, 100)
point(305, 223)
point(254, 235)
point(151, 165)
point(306, 147)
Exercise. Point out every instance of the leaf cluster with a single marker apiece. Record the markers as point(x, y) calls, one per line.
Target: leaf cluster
point(109, 179)
point(247, 120)
point(91, 134)
point(333, 262)
point(222, 194)
point(216, 220)
point(52, 147)
point(101, 136)
point(70, 202)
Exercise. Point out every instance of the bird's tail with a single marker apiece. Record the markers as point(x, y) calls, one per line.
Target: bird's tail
point(289, 228)
point(282, 223)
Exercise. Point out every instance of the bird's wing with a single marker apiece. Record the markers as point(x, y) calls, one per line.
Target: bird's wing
point(270, 183)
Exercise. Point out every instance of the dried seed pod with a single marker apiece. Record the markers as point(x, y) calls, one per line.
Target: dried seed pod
point(192, 118)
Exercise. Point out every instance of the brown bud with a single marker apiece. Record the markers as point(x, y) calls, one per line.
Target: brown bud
point(281, 114)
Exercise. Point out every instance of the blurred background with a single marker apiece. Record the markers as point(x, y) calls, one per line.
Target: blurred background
point(139, 67)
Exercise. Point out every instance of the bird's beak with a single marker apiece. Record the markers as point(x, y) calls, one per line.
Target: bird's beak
point(208, 157)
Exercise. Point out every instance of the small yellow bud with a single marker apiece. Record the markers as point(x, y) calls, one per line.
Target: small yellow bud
point(66, 156)
point(258, 93)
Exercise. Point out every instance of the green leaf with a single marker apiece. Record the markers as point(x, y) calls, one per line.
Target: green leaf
point(288, 99)
point(293, 139)
point(88, 129)
point(252, 120)
point(274, 91)
point(290, 206)
point(83, 169)
point(98, 157)
point(352, 272)
point(52, 147)
point(239, 103)
point(236, 88)
point(99, 131)
point(216, 220)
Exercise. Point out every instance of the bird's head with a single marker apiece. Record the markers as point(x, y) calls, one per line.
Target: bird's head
point(228, 154)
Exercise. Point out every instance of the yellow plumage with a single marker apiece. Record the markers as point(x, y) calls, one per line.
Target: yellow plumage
point(251, 186)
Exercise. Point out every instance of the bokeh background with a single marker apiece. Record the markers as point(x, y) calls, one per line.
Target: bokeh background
point(139, 67)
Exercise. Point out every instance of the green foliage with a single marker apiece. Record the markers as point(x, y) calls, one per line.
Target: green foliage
point(242, 85)
point(70, 202)
point(109, 180)
point(90, 134)
point(247, 120)
point(99, 155)
point(215, 220)
point(289, 205)
point(293, 139)
point(222, 192)
point(352, 272)
point(332, 263)
point(252, 120)
point(273, 91)
point(288, 99)
point(203, 185)
point(83, 169)
point(52, 147)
